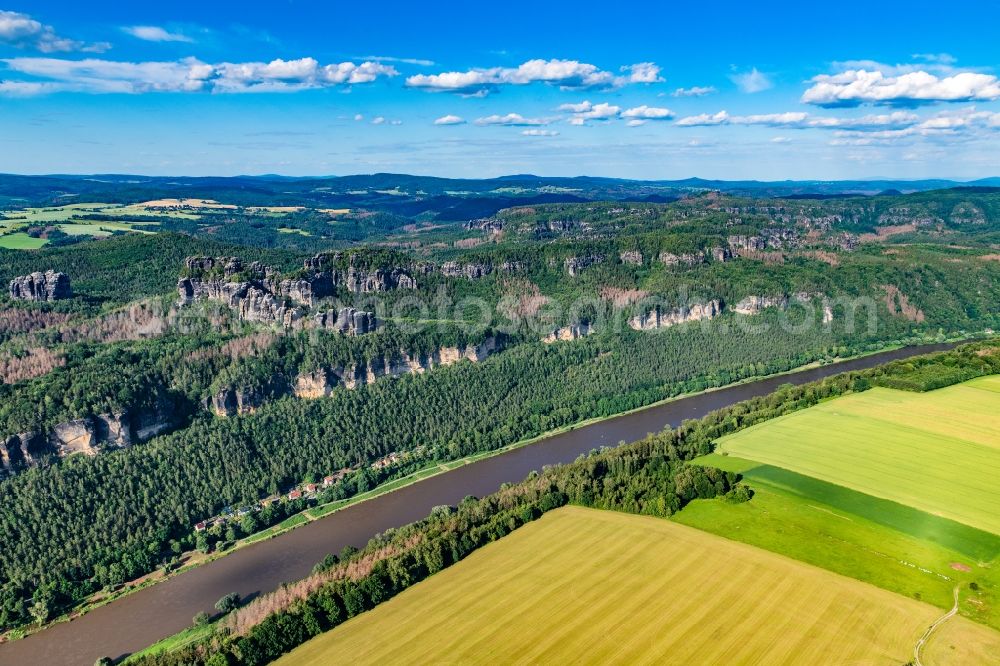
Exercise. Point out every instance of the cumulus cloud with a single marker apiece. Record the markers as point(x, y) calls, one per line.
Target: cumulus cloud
point(643, 72)
point(567, 74)
point(753, 81)
point(153, 33)
point(378, 120)
point(22, 31)
point(539, 132)
point(512, 120)
point(648, 113)
point(585, 111)
point(449, 120)
point(192, 75)
point(859, 86)
point(695, 91)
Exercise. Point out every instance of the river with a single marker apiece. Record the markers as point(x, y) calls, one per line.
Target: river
point(142, 618)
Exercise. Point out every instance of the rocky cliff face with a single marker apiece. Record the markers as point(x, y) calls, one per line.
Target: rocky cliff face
point(43, 287)
point(257, 294)
point(656, 318)
point(631, 257)
point(571, 332)
point(251, 301)
point(752, 305)
point(346, 321)
point(685, 259)
point(21, 450)
point(576, 264)
point(89, 435)
point(472, 271)
point(323, 381)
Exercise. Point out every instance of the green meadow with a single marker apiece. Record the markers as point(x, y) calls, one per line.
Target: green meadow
point(938, 452)
point(884, 543)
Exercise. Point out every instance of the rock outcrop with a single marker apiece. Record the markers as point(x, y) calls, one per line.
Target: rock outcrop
point(256, 294)
point(576, 264)
point(631, 257)
point(656, 318)
point(752, 305)
point(472, 271)
point(21, 450)
point(571, 332)
point(41, 287)
point(346, 321)
point(749, 243)
point(89, 435)
point(323, 381)
point(684, 259)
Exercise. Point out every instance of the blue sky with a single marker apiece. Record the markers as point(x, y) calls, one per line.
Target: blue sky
point(639, 90)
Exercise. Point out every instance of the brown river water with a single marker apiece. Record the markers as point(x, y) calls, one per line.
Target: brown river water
point(142, 618)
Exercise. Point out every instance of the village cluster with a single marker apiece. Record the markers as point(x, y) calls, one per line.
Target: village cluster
point(303, 491)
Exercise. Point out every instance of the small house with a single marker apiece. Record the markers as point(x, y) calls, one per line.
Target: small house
point(200, 527)
point(295, 494)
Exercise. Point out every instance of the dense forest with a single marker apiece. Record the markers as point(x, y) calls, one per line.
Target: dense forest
point(650, 477)
point(921, 266)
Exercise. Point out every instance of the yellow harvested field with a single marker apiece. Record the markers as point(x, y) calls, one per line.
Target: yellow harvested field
point(587, 586)
point(186, 203)
point(962, 642)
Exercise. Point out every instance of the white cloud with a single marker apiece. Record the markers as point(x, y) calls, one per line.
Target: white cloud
point(567, 74)
point(449, 120)
point(860, 86)
point(378, 120)
point(153, 33)
point(963, 125)
point(585, 111)
point(704, 119)
point(648, 113)
point(22, 31)
point(405, 61)
point(191, 75)
point(753, 81)
point(943, 58)
point(636, 122)
point(781, 139)
point(643, 72)
point(512, 120)
point(539, 132)
point(696, 91)
point(358, 117)
point(802, 120)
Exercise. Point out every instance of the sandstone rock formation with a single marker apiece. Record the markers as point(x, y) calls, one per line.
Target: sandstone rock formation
point(43, 287)
point(323, 381)
point(347, 321)
point(571, 332)
point(752, 305)
point(631, 257)
point(576, 264)
point(685, 259)
point(655, 318)
point(21, 450)
point(472, 271)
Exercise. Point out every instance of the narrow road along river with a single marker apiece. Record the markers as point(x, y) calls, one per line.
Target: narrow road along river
point(142, 618)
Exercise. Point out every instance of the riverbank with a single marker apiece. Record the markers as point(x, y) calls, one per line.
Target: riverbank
point(155, 610)
point(193, 559)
